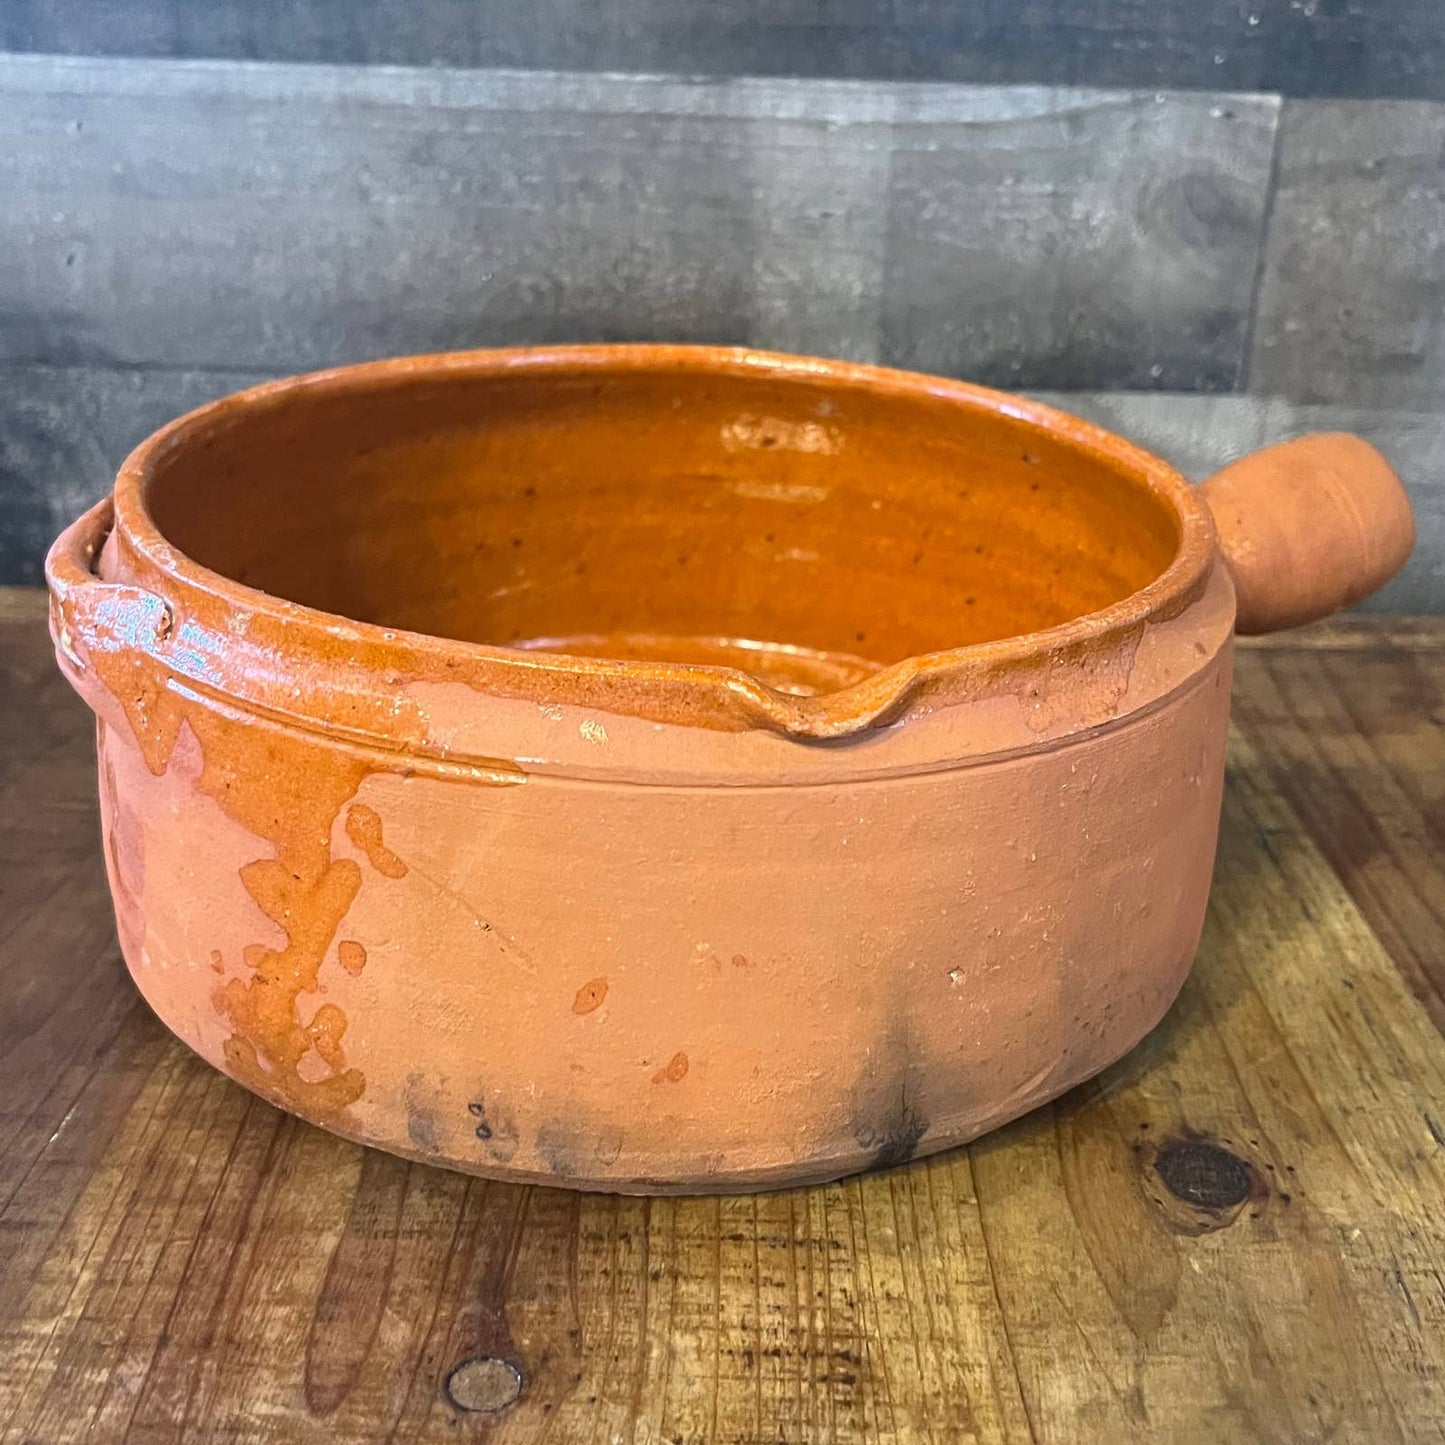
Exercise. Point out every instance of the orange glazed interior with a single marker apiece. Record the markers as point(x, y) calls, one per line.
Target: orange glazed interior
point(803, 527)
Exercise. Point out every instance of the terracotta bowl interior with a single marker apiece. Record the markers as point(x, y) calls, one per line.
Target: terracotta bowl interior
point(808, 529)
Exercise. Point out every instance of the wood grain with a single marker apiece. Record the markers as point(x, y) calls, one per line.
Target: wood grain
point(1232, 1235)
point(1314, 47)
point(284, 217)
point(1353, 287)
point(1352, 738)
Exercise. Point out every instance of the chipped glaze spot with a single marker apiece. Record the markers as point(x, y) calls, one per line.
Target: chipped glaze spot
point(363, 827)
point(749, 432)
point(351, 956)
point(673, 1072)
point(796, 492)
point(590, 995)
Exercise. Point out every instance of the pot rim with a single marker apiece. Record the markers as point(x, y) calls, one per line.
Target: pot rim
point(711, 695)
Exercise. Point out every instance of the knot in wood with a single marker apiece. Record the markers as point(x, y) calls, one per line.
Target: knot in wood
point(1203, 1175)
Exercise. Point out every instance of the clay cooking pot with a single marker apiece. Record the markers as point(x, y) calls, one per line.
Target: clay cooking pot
point(651, 768)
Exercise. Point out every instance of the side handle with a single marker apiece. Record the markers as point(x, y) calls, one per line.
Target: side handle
point(1309, 527)
point(90, 615)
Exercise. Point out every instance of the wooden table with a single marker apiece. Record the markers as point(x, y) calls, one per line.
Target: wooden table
point(1237, 1233)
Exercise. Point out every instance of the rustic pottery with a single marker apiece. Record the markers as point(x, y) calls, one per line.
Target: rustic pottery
point(672, 769)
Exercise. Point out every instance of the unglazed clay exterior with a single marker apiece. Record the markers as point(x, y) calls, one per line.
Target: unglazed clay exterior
point(670, 769)
point(1309, 527)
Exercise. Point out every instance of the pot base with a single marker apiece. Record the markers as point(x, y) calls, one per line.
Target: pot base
point(695, 1178)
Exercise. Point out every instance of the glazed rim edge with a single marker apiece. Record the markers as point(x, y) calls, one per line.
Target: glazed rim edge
point(716, 691)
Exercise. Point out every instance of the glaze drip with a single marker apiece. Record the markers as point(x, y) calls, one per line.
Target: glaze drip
point(300, 887)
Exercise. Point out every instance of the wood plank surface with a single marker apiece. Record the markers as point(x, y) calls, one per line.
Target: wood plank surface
point(1235, 1234)
point(1300, 47)
point(1352, 296)
point(282, 217)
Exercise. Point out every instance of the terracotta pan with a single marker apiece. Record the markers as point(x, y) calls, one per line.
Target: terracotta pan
point(671, 769)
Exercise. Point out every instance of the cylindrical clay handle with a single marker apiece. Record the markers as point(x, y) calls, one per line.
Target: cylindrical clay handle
point(1309, 527)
